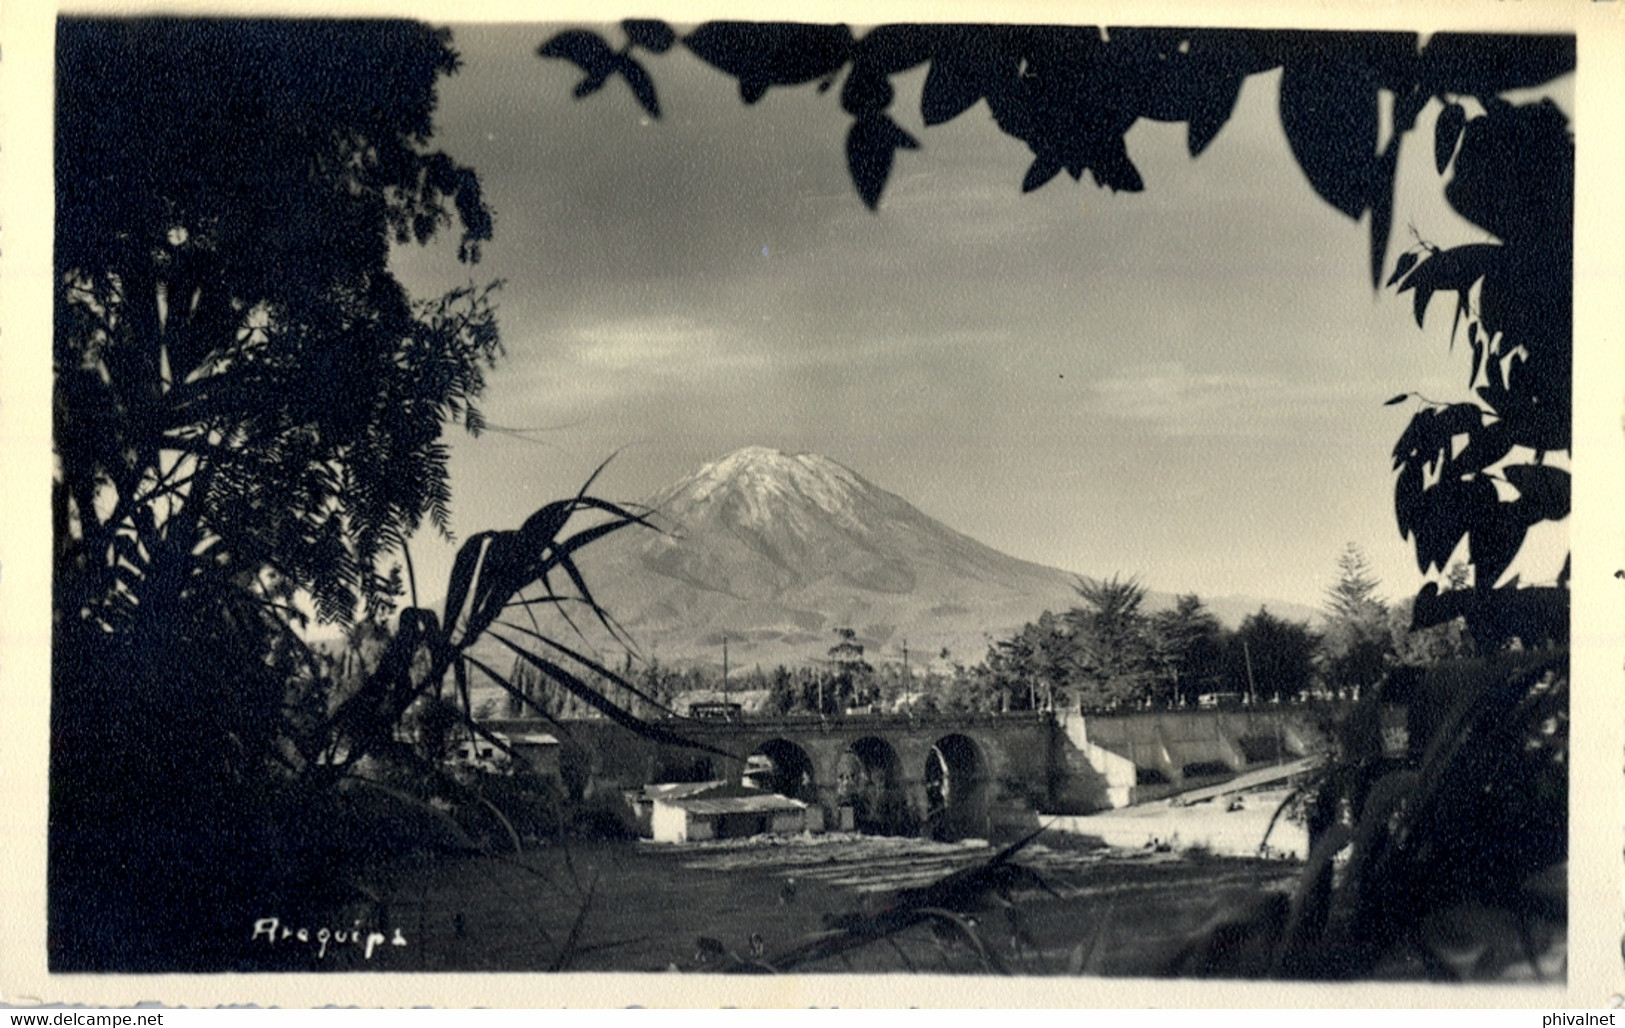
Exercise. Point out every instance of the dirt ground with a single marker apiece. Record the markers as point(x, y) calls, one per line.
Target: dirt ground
point(640, 906)
point(1236, 826)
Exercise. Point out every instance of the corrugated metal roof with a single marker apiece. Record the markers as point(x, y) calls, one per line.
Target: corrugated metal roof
point(765, 803)
point(675, 790)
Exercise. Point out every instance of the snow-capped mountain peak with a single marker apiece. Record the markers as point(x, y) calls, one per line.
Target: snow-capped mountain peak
point(760, 486)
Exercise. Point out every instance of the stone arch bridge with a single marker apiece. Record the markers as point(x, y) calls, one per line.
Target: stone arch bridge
point(951, 775)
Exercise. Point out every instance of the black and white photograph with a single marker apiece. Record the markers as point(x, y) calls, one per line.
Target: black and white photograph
point(1010, 499)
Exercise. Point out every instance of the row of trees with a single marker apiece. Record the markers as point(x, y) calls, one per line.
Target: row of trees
point(1108, 651)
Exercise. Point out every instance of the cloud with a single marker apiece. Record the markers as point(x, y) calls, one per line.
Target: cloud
point(649, 344)
point(1178, 401)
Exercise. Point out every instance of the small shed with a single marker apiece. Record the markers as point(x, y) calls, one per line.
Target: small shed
point(724, 812)
point(643, 800)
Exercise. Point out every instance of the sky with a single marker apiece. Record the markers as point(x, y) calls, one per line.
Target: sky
point(1185, 385)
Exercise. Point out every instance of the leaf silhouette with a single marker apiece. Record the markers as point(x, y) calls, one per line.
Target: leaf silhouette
point(594, 666)
point(1043, 168)
point(767, 54)
point(595, 699)
point(955, 81)
point(867, 90)
point(1446, 131)
point(655, 36)
point(871, 144)
point(589, 85)
point(643, 86)
point(890, 49)
point(1454, 269)
point(586, 50)
point(1406, 262)
point(1494, 538)
point(1543, 489)
point(1382, 207)
point(1112, 167)
point(1329, 113)
point(1210, 113)
point(518, 694)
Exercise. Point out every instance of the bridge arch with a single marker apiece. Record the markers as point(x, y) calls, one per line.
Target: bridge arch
point(788, 769)
point(956, 788)
point(869, 778)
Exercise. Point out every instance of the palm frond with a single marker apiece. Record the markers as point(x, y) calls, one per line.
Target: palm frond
point(596, 699)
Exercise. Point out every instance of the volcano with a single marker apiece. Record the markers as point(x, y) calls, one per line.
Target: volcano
point(776, 551)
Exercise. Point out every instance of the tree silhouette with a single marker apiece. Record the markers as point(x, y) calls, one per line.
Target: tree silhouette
point(1071, 93)
point(248, 408)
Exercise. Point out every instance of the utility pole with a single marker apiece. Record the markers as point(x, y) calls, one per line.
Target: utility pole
point(1252, 687)
point(908, 682)
point(724, 670)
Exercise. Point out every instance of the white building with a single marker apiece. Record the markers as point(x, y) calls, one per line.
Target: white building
point(715, 810)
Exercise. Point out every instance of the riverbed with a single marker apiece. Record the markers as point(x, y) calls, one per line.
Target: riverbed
point(729, 905)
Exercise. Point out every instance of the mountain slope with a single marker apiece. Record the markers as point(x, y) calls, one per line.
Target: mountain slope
point(779, 550)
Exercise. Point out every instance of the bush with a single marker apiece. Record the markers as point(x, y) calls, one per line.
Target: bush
point(1461, 836)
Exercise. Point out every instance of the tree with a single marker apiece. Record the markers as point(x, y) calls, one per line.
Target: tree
point(853, 675)
point(248, 410)
point(1357, 645)
point(1188, 646)
point(1354, 594)
point(1271, 658)
point(1425, 647)
point(1111, 642)
point(1033, 669)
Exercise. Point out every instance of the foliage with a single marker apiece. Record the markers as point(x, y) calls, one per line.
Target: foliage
point(1039, 657)
point(1514, 177)
point(1188, 642)
point(1108, 654)
point(1424, 647)
point(1357, 646)
point(1272, 657)
point(1354, 594)
point(1444, 857)
point(1114, 655)
point(247, 410)
point(237, 369)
